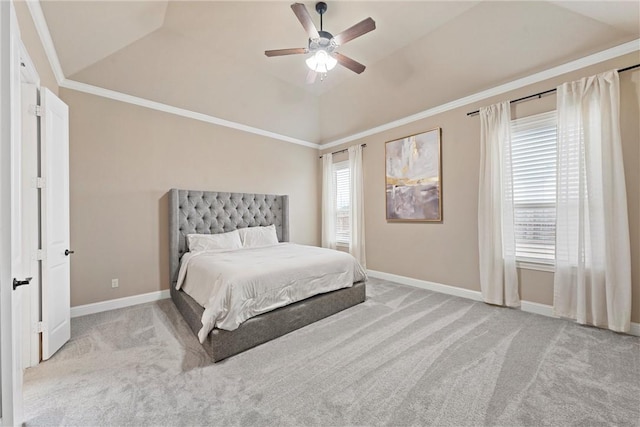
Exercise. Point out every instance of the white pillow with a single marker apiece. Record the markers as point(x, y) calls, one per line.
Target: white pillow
point(253, 237)
point(206, 242)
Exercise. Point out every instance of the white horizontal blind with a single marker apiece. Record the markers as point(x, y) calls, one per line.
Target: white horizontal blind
point(343, 177)
point(534, 150)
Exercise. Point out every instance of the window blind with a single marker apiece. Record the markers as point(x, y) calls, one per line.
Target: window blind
point(343, 177)
point(534, 150)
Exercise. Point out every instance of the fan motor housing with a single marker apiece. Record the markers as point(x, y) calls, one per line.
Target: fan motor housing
point(324, 42)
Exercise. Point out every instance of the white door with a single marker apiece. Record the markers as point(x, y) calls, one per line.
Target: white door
point(11, 263)
point(56, 266)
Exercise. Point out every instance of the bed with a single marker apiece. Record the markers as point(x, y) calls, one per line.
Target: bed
point(210, 212)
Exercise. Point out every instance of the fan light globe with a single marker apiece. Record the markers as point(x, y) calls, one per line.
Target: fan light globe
point(321, 62)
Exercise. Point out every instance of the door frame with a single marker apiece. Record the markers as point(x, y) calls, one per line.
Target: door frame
point(31, 236)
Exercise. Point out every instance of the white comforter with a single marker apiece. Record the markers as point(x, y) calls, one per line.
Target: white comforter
point(235, 285)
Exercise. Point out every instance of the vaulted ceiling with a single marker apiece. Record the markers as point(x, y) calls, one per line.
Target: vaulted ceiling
point(208, 56)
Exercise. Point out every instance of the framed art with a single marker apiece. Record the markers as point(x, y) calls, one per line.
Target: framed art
point(413, 172)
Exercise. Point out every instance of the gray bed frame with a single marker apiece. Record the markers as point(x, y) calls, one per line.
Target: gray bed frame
point(211, 212)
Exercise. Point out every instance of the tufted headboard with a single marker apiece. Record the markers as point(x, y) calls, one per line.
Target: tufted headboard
point(212, 212)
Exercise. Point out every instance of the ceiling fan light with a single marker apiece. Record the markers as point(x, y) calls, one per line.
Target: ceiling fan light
point(312, 63)
point(321, 62)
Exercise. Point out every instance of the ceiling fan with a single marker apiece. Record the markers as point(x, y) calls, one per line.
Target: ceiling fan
point(322, 44)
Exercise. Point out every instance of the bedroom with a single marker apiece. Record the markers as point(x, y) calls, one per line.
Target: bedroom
point(125, 157)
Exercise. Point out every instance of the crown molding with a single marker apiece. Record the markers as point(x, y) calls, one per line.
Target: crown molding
point(47, 43)
point(596, 58)
point(45, 38)
point(142, 102)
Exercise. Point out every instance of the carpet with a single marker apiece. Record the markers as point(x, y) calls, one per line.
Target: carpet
point(406, 356)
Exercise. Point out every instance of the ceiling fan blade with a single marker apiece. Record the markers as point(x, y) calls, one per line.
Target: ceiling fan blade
point(305, 19)
point(362, 27)
point(349, 63)
point(311, 77)
point(280, 52)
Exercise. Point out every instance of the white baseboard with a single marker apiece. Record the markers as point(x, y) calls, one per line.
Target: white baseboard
point(98, 307)
point(430, 286)
point(537, 308)
point(527, 306)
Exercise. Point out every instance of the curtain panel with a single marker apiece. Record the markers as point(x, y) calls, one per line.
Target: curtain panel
point(496, 236)
point(328, 203)
point(592, 282)
point(356, 194)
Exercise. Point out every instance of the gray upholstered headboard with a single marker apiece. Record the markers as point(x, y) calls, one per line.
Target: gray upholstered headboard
point(212, 212)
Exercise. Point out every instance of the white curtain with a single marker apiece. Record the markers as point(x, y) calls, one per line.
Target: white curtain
point(356, 194)
point(593, 263)
point(496, 238)
point(328, 203)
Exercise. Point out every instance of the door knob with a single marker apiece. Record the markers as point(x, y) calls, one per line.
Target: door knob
point(67, 252)
point(17, 282)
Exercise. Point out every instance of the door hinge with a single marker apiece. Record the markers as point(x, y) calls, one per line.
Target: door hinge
point(36, 110)
point(39, 182)
point(39, 254)
point(40, 327)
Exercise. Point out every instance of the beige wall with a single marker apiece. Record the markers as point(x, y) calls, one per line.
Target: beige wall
point(31, 41)
point(125, 158)
point(447, 253)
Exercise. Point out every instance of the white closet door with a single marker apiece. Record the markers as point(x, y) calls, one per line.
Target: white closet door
point(56, 265)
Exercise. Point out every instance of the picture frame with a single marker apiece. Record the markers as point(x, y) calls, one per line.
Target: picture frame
point(413, 177)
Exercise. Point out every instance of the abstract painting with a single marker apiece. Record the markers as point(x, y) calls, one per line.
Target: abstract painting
point(413, 177)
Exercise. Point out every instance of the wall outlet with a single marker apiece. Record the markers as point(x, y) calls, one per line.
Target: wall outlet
point(114, 283)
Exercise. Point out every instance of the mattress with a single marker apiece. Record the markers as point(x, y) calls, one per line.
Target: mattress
point(236, 285)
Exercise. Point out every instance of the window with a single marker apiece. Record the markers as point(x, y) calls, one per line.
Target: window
point(343, 181)
point(533, 150)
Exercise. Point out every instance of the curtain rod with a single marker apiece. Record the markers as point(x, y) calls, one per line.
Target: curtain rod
point(343, 150)
point(546, 92)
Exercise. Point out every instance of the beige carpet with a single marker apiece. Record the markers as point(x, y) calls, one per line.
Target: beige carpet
point(404, 357)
